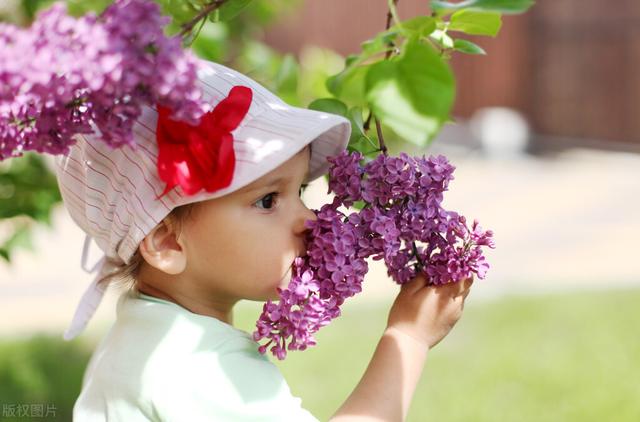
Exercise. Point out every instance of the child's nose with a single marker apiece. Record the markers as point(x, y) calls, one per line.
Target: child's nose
point(304, 215)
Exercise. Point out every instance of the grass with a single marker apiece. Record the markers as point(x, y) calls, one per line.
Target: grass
point(44, 371)
point(557, 357)
point(560, 357)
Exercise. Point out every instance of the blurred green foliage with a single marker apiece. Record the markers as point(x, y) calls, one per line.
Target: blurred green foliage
point(28, 192)
point(41, 370)
point(27, 187)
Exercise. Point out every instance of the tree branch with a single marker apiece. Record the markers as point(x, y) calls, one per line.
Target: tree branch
point(383, 147)
point(202, 15)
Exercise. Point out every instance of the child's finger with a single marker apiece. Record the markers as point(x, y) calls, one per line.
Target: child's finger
point(464, 287)
point(467, 283)
point(415, 284)
point(466, 293)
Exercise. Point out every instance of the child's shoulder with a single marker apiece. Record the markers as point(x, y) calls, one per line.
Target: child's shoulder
point(161, 340)
point(168, 359)
point(143, 318)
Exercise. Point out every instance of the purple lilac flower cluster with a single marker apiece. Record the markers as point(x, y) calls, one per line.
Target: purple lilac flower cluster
point(65, 76)
point(402, 221)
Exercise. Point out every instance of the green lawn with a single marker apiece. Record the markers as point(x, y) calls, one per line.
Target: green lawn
point(561, 357)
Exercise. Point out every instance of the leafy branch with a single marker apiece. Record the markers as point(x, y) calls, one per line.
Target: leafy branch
point(412, 89)
point(201, 16)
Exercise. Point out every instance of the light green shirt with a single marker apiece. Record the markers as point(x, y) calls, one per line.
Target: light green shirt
point(161, 362)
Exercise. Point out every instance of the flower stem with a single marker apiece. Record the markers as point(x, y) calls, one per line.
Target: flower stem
point(420, 264)
point(390, 14)
point(383, 147)
point(366, 124)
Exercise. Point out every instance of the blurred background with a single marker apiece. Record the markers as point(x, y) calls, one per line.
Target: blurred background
point(546, 145)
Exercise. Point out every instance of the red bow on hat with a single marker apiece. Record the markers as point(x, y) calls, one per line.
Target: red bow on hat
point(197, 157)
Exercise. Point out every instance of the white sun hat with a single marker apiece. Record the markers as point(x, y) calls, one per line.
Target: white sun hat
point(114, 195)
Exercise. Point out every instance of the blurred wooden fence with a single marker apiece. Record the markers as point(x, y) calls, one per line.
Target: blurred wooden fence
point(572, 66)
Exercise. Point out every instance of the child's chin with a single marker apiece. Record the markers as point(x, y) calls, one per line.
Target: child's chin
point(274, 295)
point(272, 298)
point(283, 284)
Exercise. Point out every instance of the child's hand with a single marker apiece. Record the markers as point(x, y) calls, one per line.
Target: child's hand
point(428, 313)
point(420, 317)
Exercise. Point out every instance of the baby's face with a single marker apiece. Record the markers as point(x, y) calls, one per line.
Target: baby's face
point(242, 245)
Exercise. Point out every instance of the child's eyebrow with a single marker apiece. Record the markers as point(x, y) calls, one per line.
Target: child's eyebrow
point(271, 182)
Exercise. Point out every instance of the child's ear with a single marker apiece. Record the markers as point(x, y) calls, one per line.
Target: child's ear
point(163, 249)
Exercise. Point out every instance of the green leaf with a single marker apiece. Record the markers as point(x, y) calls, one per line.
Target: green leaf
point(181, 11)
point(465, 46)
point(231, 8)
point(357, 123)
point(329, 105)
point(359, 205)
point(379, 43)
point(502, 6)
point(441, 37)
point(420, 26)
point(351, 60)
point(286, 80)
point(475, 23)
point(21, 238)
point(211, 43)
point(349, 85)
point(359, 140)
point(214, 16)
point(412, 94)
point(27, 187)
point(75, 7)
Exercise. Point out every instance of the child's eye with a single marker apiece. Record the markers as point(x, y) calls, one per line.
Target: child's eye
point(267, 201)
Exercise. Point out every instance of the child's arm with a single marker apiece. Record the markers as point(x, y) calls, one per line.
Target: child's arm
point(420, 317)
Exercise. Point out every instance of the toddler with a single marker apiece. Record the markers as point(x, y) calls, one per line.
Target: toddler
point(198, 218)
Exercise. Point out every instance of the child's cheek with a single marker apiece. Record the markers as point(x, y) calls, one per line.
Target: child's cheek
point(283, 283)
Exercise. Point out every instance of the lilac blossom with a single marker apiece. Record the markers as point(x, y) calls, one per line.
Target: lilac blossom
point(65, 76)
point(402, 222)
